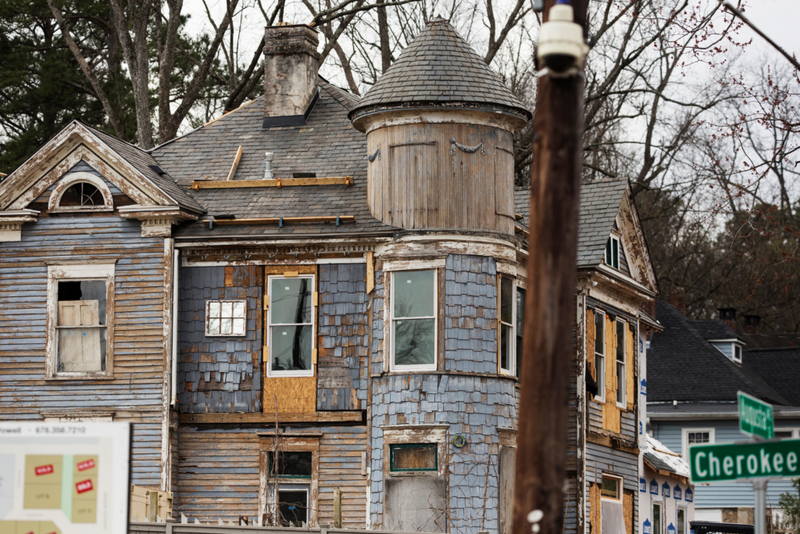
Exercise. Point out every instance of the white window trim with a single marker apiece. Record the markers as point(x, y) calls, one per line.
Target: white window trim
point(737, 348)
point(244, 333)
point(622, 382)
point(290, 485)
point(422, 367)
point(685, 439)
point(402, 434)
point(601, 379)
point(613, 238)
point(74, 178)
point(89, 271)
point(312, 371)
point(620, 482)
point(678, 508)
point(512, 350)
point(793, 429)
point(663, 515)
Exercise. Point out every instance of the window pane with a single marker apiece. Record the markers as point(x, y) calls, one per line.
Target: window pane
point(520, 327)
point(293, 507)
point(225, 325)
point(620, 341)
point(699, 437)
point(414, 293)
point(226, 310)
point(621, 382)
point(414, 342)
point(600, 368)
point(290, 300)
point(656, 518)
point(681, 521)
point(238, 326)
point(506, 302)
point(213, 309)
point(505, 346)
point(608, 251)
point(290, 349)
point(213, 326)
point(615, 253)
point(81, 350)
point(291, 464)
point(92, 295)
point(610, 488)
point(783, 434)
point(238, 308)
point(413, 457)
point(599, 333)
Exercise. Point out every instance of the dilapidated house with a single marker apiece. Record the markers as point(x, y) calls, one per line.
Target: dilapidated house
point(319, 297)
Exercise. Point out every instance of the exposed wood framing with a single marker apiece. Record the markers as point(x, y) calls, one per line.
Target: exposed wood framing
point(235, 164)
point(166, 380)
point(284, 220)
point(370, 257)
point(275, 182)
point(266, 417)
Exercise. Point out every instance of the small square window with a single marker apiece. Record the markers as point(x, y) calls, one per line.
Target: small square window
point(226, 317)
point(414, 457)
point(611, 487)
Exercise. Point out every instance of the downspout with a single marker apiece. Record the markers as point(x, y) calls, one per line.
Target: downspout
point(175, 323)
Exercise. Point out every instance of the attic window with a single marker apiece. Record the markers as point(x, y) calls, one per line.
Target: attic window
point(81, 195)
point(737, 353)
point(611, 257)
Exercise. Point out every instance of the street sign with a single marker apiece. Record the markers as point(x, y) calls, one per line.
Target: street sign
point(732, 461)
point(755, 417)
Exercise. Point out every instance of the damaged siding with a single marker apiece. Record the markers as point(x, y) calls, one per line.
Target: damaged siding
point(135, 392)
point(219, 374)
point(342, 337)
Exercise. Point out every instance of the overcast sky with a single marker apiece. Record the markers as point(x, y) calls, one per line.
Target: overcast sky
point(780, 19)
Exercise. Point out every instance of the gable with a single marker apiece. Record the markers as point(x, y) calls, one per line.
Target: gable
point(81, 171)
point(637, 255)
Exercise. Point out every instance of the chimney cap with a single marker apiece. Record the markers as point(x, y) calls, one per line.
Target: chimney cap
point(752, 320)
point(727, 314)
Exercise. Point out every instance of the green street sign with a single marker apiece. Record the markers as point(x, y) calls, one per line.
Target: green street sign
point(732, 461)
point(755, 417)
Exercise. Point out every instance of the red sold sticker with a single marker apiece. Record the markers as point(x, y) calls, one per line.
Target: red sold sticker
point(84, 486)
point(88, 464)
point(44, 470)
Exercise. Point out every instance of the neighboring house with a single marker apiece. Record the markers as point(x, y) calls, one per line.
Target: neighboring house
point(667, 494)
point(316, 295)
point(692, 398)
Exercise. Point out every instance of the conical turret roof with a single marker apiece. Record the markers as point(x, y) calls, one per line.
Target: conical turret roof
point(440, 69)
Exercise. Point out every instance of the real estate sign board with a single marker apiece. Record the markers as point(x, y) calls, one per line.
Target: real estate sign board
point(756, 417)
point(62, 478)
point(733, 461)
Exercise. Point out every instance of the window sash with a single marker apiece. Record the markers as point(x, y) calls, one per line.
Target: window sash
point(599, 355)
point(657, 519)
point(232, 311)
point(620, 367)
point(305, 338)
point(611, 488)
point(397, 322)
point(507, 314)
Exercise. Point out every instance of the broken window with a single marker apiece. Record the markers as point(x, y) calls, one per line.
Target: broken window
point(291, 325)
point(512, 306)
point(620, 368)
point(413, 457)
point(226, 317)
point(611, 257)
point(80, 320)
point(290, 464)
point(293, 506)
point(414, 320)
point(600, 353)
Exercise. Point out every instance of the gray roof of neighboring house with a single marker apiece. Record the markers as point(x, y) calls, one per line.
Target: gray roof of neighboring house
point(440, 68)
point(142, 160)
point(779, 367)
point(600, 203)
point(327, 145)
point(682, 366)
point(715, 330)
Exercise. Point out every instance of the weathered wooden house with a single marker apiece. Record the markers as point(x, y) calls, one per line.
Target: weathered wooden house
point(317, 296)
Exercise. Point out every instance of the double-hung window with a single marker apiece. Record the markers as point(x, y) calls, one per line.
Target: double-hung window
point(290, 322)
point(80, 320)
point(600, 353)
point(512, 308)
point(620, 367)
point(413, 324)
point(611, 257)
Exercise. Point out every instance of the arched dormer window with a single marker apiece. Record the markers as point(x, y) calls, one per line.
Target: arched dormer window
point(81, 191)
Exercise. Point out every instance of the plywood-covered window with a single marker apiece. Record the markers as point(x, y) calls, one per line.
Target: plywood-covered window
point(80, 312)
point(600, 353)
point(290, 321)
point(621, 377)
point(413, 457)
point(413, 307)
point(226, 317)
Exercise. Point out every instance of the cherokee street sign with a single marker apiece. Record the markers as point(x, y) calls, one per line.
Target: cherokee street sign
point(732, 461)
point(755, 417)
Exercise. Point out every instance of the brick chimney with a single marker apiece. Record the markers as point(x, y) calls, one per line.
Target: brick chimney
point(728, 316)
point(752, 324)
point(291, 62)
point(677, 298)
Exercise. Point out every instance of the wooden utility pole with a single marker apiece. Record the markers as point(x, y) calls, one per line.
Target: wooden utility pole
point(550, 299)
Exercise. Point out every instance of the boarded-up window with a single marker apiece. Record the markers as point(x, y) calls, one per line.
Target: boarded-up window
point(612, 517)
point(413, 457)
point(81, 326)
point(414, 320)
point(291, 325)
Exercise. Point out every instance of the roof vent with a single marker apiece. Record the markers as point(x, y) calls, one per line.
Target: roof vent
point(268, 165)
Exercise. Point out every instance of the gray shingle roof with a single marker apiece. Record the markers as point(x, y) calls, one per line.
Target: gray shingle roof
point(683, 366)
point(142, 160)
point(327, 145)
point(779, 367)
point(439, 68)
point(715, 330)
point(600, 203)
